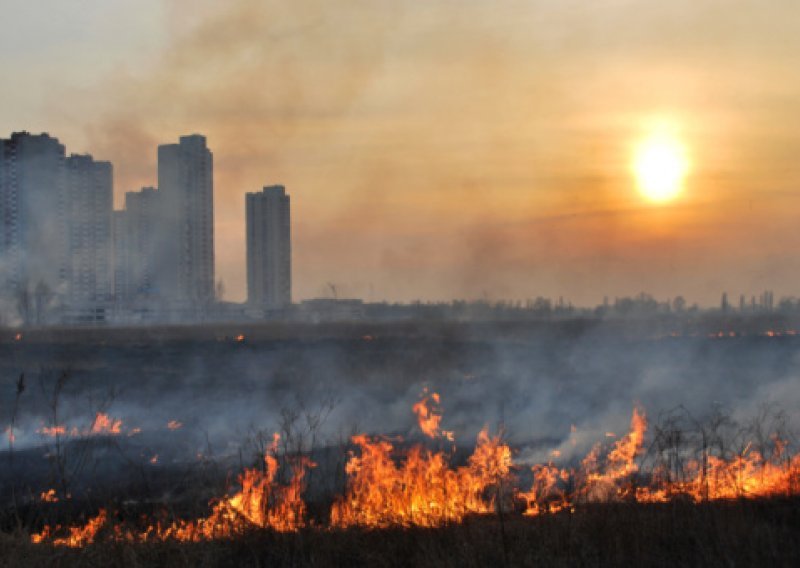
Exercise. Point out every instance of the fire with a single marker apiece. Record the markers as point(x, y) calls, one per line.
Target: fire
point(422, 490)
point(103, 424)
point(48, 496)
point(154, 459)
point(174, 425)
point(263, 502)
point(77, 537)
point(52, 431)
point(599, 478)
point(393, 485)
point(429, 416)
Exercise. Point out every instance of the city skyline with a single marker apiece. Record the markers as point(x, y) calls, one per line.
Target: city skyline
point(135, 277)
point(448, 157)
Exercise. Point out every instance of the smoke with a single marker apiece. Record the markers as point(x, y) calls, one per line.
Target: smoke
point(553, 390)
point(483, 147)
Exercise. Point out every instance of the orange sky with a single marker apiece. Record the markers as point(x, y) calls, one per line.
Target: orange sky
point(446, 149)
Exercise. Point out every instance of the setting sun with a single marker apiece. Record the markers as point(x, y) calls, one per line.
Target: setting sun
point(660, 165)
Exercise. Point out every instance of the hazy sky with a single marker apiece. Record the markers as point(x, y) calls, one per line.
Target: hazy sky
point(437, 149)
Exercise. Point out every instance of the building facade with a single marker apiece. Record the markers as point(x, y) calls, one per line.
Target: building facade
point(136, 245)
point(88, 210)
point(269, 248)
point(185, 251)
point(33, 267)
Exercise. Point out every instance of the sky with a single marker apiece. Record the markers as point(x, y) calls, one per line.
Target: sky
point(447, 148)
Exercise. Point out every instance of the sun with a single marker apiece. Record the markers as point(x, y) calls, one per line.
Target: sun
point(660, 165)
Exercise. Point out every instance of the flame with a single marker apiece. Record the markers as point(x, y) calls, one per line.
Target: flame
point(262, 502)
point(103, 424)
point(77, 537)
point(423, 490)
point(48, 496)
point(429, 416)
point(174, 425)
point(391, 486)
point(52, 431)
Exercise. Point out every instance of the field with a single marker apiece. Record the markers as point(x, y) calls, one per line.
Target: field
point(677, 534)
point(578, 443)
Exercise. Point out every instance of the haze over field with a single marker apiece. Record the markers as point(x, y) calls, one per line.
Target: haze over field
point(439, 149)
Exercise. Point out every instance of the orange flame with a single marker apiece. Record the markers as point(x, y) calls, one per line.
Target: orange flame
point(103, 424)
point(429, 416)
point(77, 537)
point(417, 486)
point(48, 496)
point(424, 490)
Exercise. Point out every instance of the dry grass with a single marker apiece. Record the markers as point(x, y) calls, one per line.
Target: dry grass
point(741, 533)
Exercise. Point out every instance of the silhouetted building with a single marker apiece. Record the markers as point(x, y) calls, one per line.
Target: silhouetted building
point(185, 261)
point(118, 245)
point(32, 222)
point(269, 248)
point(88, 208)
point(136, 248)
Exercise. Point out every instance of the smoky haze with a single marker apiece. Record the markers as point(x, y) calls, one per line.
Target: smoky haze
point(438, 150)
point(555, 389)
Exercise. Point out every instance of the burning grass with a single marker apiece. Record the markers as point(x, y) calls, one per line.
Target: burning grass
point(391, 487)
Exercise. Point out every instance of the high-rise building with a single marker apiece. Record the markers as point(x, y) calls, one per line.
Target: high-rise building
point(185, 262)
point(88, 208)
point(269, 248)
point(136, 245)
point(33, 265)
point(118, 248)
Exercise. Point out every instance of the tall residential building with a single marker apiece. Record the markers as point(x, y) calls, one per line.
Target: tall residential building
point(269, 248)
point(33, 266)
point(136, 247)
point(185, 262)
point(88, 208)
point(118, 246)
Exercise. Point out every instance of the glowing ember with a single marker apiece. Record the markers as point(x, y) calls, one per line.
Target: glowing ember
point(174, 425)
point(48, 496)
point(52, 431)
